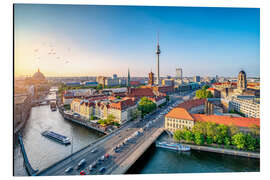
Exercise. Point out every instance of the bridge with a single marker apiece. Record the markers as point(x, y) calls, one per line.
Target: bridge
point(119, 161)
point(27, 164)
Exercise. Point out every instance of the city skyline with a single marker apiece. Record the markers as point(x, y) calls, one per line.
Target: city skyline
point(61, 40)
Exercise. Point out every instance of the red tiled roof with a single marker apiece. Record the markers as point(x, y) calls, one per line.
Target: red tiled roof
point(227, 120)
point(179, 113)
point(211, 89)
point(192, 103)
point(122, 104)
point(141, 92)
point(135, 83)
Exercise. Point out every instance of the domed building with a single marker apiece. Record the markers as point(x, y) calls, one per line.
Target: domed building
point(38, 76)
point(37, 79)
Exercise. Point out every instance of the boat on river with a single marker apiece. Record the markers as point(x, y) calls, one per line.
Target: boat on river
point(56, 137)
point(173, 146)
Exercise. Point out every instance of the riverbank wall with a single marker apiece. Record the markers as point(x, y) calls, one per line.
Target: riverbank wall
point(224, 151)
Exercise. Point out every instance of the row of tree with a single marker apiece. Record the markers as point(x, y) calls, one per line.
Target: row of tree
point(203, 93)
point(109, 121)
point(146, 106)
point(211, 133)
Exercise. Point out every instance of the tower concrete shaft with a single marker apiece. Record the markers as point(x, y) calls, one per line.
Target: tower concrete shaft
point(158, 52)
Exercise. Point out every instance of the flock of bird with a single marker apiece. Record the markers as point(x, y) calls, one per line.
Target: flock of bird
point(52, 53)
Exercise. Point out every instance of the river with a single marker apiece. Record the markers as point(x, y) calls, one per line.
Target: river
point(158, 161)
point(43, 152)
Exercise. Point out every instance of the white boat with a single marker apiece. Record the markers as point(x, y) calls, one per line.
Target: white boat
point(173, 146)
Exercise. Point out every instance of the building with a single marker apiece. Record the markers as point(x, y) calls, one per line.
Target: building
point(196, 79)
point(242, 81)
point(73, 84)
point(158, 100)
point(247, 105)
point(109, 82)
point(101, 80)
point(168, 82)
point(194, 105)
point(179, 118)
point(128, 80)
point(22, 108)
point(90, 84)
point(179, 74)
point(151, 79)
point(122, 110)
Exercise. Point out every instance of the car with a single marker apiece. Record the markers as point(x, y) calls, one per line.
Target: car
point(82, 173)
point(102, 170)
point(68, 169)
point(94, 150)
point(81, 163)
point(90, 168)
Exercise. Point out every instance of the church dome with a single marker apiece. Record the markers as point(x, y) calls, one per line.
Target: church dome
point(38, 76)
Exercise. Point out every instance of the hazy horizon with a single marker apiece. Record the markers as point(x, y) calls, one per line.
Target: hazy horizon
point(88, 40)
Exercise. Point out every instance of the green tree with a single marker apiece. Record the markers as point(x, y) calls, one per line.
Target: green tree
point(227, 142)
point(146, 106)
point(188, 135)
point(118, 97)
point(99, 87)
point(177, 135)
point(199, 138)
point(250, 142)
point(110, 119)
point(233, 130)
point(209, 140)
point(199, 127)
point(255, 130)
point(239, 140)
point(210, 129)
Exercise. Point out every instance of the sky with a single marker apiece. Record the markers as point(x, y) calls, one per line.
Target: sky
point(87, 40)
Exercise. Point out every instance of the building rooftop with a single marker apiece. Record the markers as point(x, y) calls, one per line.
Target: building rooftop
point(227, 120)
point(179, 113)
point(192, 103)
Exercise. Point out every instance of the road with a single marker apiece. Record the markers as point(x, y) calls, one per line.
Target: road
point(110, 141)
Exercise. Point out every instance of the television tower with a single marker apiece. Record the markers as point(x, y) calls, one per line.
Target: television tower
point(158, 52)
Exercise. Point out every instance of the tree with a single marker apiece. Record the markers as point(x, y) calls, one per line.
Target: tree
point(255, 130)
point(118, 97)
point(99, 87)
point(239, 140)
point(177, 135)
point(203, 93)
point(209, 139)
point(233, 130)
point(199, 138)
point(250, 142)
point(146, 106)
point(227, 141)
point(210, 129)
point(188, 135)
point(110, 119)
point(199, 127)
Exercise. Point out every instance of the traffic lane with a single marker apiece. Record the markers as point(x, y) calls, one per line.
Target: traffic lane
point(102, 150)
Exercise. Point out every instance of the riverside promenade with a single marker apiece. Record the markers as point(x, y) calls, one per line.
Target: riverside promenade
point(225, 151)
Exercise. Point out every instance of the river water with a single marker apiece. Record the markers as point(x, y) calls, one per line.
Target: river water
point(159, 160)
point(43, 152)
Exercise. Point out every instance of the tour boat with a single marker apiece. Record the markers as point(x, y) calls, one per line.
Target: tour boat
point(172, 146)
point(57, 137)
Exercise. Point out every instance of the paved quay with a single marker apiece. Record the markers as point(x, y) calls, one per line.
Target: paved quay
point(225, 151)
